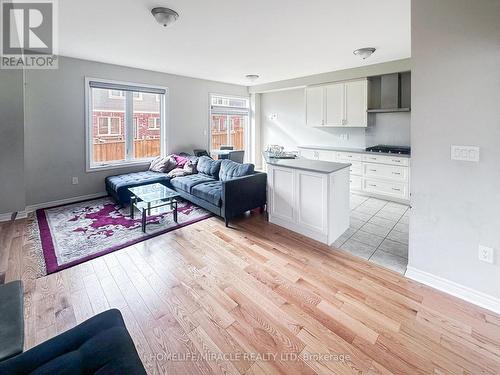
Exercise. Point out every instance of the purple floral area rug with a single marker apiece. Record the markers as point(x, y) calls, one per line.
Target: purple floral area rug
point(77, 232)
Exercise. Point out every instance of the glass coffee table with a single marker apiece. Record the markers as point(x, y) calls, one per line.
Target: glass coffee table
point(147, 197)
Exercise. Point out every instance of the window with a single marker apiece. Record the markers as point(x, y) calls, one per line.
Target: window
point(109, 126)
point(126, 131)
point(115, 94)
point(154, 123)
point(229, 118)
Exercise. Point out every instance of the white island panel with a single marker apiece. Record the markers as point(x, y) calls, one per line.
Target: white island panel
point(312, 203)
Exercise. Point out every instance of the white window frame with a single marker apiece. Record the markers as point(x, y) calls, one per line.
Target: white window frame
point(156, 125)
point(128, 126)
point(111, 96)
point(109, 133)
point(246, 138)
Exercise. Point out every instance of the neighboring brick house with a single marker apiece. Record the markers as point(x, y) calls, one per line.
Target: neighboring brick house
point(108, 116)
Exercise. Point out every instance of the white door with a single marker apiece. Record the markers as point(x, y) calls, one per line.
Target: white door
point(314, 106)
point(356, 103)
point(282, 193)
point(334, 105)
point(311, 201)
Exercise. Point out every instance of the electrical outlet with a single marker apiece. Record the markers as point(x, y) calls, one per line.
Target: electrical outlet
point(344, 136)
point(74, 180)
point(486, 254)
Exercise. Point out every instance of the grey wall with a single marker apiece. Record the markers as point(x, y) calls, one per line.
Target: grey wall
point(289, 128)
point(55, 127)
point(455, 100)
point(11, 141)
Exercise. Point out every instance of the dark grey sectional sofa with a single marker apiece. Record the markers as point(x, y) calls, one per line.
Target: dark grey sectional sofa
point(223, 187)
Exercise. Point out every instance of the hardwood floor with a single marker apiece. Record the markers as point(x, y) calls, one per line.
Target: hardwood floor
point(257, 299)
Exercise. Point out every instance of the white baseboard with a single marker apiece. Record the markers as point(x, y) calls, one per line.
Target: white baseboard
point(59, 202)
point(6, 216)
point(455, 289)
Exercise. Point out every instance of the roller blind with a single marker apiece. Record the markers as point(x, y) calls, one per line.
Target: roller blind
point(118, 86)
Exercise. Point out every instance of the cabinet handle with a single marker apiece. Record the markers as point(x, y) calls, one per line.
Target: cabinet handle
point(373, 170)
point(396, 161)
point(373, 158)
point(372, 185)
point(397, 173)
point(396, 189)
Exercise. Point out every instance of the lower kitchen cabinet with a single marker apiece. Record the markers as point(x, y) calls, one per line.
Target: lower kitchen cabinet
point(383, 176)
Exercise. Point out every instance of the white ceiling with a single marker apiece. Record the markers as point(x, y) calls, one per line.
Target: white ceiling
point(225, 39)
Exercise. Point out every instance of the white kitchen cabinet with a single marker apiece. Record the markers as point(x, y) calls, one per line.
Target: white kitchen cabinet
point(383, 176)
point(315, 97)
point(356, 103)
point(335, 105)
point(386, 188)
point(283, 183)
point(338, 104)
point(311, 203)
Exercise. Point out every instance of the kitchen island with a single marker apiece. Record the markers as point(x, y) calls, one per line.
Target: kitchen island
point(310, 197)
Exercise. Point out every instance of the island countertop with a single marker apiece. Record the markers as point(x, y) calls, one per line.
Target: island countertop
point(318, 166)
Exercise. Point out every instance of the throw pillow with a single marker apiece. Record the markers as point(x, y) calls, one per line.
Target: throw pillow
point(208, 166)
point(180, 160)
point(163, 165)
point(230, 169)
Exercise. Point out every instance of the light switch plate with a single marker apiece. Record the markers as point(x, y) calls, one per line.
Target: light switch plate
point(465, 153)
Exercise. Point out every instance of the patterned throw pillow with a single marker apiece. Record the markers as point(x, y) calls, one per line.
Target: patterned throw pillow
point(163, 164)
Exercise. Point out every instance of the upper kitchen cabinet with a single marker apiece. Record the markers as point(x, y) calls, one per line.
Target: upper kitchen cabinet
point(342, 104)
point(315, 109)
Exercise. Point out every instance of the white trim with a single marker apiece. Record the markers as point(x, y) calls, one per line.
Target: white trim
point(123, 164)
point(473, 296)
point(59, 202)
point(6, 216)
point(109, 126)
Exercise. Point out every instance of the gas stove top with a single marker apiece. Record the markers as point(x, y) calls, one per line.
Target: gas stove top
point(390, 149)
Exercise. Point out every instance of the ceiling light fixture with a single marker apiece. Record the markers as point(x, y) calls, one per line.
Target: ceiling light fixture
point(252, 77)
point(164, 16)
point(364, 53)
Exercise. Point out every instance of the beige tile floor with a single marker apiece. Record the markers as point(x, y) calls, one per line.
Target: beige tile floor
point(378, 232)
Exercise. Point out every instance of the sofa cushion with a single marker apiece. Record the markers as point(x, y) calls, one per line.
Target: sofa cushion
point(100, 345)
point(230, 169)
point(135, 179)
point(186, 183)
point(12, 319)
point(118, 186)
point(208, 166)
point(209, 191)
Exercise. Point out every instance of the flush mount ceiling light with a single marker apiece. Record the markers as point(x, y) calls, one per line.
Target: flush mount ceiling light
point(252, 77)
point(164, 16)
point(364, 53)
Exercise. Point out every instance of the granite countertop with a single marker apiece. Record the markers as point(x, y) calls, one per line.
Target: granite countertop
point(355, 150)
point(319, 166)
